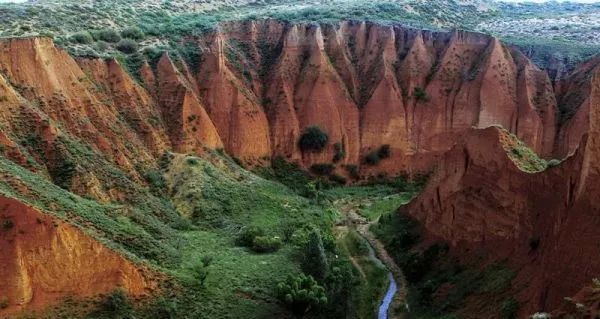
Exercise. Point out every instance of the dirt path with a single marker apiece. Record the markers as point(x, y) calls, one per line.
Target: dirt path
point(361, 224)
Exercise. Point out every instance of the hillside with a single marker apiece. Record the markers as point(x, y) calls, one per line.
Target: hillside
point(555, 35)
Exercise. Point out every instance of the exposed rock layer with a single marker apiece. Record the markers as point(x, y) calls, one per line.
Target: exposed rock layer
point(45, 260)
point(545, 223)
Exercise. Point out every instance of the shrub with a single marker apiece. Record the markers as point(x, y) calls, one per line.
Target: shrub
point(384, 151)
point(246, 237)
point(107, 35)
point(372, 158)
point(509, 308)
point(132, 33)
point(339, 152)
point(101, 46)
point(200, 273)
point(266, 244)
point(3, 303)
point(420, 94)
point(322, 168)
point(313, 139)
point(7, 224)
point(352, 170)
point(338, 179)
point(117, 304)
point(553, 162)
point(301, 293)
point(127, 46)
point(165, 308)
point(534, 243)
point(82, 38)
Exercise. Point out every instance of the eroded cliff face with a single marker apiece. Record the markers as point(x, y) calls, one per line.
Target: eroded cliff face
point(45, 260)
point(544, 223)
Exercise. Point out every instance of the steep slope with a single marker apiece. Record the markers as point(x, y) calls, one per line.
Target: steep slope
point(45, 260)
point(481, 199)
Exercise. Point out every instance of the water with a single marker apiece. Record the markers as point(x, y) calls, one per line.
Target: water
point(387, 300)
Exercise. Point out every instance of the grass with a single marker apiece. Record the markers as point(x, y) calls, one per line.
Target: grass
point(374, 200)
point(523, 157)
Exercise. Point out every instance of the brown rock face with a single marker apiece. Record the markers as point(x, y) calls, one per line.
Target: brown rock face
point(478, 198)
point(45, 260)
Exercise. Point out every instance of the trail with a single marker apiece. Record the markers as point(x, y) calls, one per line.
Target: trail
point(397, 290)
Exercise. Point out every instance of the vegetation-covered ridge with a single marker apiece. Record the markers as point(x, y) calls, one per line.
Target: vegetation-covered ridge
point(121, 28)
point(523, 156)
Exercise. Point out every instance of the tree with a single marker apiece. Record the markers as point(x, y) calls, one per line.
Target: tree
point(313, 139)
point(315, 260)
point(301, 294)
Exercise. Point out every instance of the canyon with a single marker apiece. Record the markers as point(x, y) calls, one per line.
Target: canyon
point(252, 88)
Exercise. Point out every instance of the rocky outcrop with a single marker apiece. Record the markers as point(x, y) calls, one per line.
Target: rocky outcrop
point(45, 260)
point(258, 84)
point(544, 223)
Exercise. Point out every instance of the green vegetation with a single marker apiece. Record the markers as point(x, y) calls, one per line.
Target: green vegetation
point(7, 224)
point(420, 94)
point(127, 46)
point(313, 139)
point(82, 38)
point(132, 33)
point(430, 269)
point(523, 157)
point(322, 168)
point(374, 157)
point(301, 294)
point(106, 35)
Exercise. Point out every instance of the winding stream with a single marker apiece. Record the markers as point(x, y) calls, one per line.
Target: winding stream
point(387, 299)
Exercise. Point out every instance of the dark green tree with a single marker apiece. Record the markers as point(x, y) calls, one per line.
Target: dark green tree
point(315, 260)
point(313, 139)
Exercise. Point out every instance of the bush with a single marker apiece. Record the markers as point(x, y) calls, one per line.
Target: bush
point(165, 308)
point(127, 46)
point(266, 244)
point(82, 38)
point(553, 162)
point(313, 139)
point(7, 224)
point(322, 168)
point(107, 35)
point(117, 304)
point(301, 294)
point(336, 178)
point(420, 94)
point(339, 152)
point(101, 46)
point(384, 151)
point(372, 158)
point(509, 308)
point(3, 303)
point(246, 236)
point(132, 33)
point(353, 171)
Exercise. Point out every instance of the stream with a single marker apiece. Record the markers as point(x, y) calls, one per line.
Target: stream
point(392, 288)
point(387, 299)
